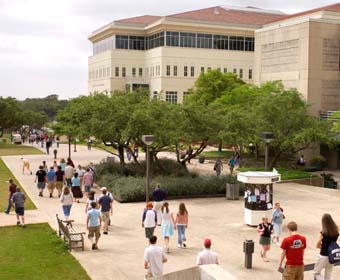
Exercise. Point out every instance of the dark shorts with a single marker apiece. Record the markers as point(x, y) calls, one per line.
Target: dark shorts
point(20, 211)
point(87, 188)
point(149, 232)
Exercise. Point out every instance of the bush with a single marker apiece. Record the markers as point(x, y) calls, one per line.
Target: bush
point(132, 189)
point(162, 167)
point(318, 160)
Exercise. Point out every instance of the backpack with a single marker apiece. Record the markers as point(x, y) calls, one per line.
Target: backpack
point(333, 252)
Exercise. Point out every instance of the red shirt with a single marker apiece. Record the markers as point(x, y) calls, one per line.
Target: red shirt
point(12, 189)
point(294, 246)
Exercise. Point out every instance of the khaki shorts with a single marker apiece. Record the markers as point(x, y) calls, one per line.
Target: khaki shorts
point(59, 185)
point(105, 216)
point(50, 185)
point(293, 272)
point(26, 165)
point(94, 231)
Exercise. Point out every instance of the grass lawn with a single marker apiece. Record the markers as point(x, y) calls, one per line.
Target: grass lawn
point(36, 252)
point(5, 175)
point(9, 149)
point(286, 173)
point(226, 154)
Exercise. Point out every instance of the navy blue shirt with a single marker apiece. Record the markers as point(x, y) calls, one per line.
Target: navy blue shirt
point(158, 195)
point(104, 202)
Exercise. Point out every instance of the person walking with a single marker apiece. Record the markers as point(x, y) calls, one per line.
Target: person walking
point(18, 201)
point(181, 223)
point(69, 171)
point(57, 140)
point(60, 179)
point(87, 181)
point(51, 179)
point(76, 191)
point(207, 256)
point(80, 170)
point(154, 258)
point(25, 165)
point(93, 223)
point(48, 145)
point(231, 164)
point(11, 189)
point(277, 220)
point(167, 225)
point(66, 199)
point(293, 248)
point(149, 220)
point(218, 167)
point(329, 232)
point(265, 230)
point(89, 144)
point(62, 164)
point(158, 200)
point(40, 179)
point(105, 203)
point(91, 198)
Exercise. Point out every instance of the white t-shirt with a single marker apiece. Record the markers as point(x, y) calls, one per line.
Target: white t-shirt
point(150, 217)
point(207, 256)
point(154, 255)
point(69, 170)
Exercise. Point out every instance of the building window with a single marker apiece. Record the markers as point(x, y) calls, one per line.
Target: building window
point(171, 97)
point(221, 42)
point(202, 69)
point(236, 43)
point(123, 72)
point(185, 71)
point(225, 70)
point(235, 71)
point(249, 44)
point(172, 39)
point(204, 41)
point(117, 71)
point(136, 42)
point(175, 70)
point(192, 71)
point(188, 40)
point(250, 74)
point(241, 73)
point(140, 72)
point(122, 42)
point(155, 40)
point(133, 72)
point(168, 70)
point(155, 95)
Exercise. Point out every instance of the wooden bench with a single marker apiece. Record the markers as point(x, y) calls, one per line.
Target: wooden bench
point(74, 239)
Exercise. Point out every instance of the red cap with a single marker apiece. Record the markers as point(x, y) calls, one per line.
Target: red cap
point(207, 242)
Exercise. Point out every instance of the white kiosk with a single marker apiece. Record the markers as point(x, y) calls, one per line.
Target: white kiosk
point(258, 194)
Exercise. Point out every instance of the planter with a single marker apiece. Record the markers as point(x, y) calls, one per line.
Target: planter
point(232, 191)
point(201, 159)
point(331, 184)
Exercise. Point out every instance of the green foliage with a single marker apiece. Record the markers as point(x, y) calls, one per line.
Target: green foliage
point(132, 189)
point(318, 160)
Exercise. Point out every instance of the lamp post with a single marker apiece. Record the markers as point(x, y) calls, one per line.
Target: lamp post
point(69, 146)
point(148, 140)
point(267, 138)
point(75, 144)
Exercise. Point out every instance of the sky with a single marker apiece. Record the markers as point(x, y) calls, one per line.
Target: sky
point(44, 47)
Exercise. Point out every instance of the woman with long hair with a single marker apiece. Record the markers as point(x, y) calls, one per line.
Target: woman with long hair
point(265, 230)
point(328, 233)
point(76, 191)
point(66, 199)
point(167, 225)
point(181, 223)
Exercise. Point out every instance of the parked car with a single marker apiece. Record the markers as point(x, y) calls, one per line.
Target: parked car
point(16, 139)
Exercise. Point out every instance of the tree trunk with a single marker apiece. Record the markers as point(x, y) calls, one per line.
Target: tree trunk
point(121, 154)
point(274, 160)
point(220, 146)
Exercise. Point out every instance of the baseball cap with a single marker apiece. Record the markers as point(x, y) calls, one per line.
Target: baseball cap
point(207, 242)
point(103, 189)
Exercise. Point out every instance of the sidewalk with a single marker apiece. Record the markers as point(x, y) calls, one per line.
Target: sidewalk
point(120, 254)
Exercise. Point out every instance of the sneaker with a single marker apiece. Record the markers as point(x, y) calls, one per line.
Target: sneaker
point(93, 246)
point(184, 245)
point(179, 245)
point(50, 195)
point(105, 232)
point(18, 223)
point(31, 173)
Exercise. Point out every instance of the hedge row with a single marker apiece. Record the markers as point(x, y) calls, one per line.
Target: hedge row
point(132, 189)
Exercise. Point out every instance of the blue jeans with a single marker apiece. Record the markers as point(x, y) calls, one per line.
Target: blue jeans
point(9, 206)
point(67, 210)
point(181, 233)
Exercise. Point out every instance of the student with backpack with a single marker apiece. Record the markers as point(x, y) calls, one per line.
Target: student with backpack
point(326, 243)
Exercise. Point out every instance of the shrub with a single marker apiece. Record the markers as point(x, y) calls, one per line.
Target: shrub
point(318, 160)
point(162, 167)
point(132, 189)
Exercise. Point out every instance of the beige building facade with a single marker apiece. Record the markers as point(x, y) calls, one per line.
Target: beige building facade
point(167, 54)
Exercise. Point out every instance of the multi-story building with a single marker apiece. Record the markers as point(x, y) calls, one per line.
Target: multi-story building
point(167, 54)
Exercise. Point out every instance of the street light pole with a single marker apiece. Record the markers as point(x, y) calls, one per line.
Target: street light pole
point(69, 147)
point(267, 137)
point(75, 144)
point(266, 157)
point(148, 140)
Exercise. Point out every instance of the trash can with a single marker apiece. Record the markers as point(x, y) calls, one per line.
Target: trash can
point(232, 191)
point(248, 249)
point(201, 159)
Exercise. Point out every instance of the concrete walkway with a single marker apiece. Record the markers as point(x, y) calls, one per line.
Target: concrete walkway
point(121, 252)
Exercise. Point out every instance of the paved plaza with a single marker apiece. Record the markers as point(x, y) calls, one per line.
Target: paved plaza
point(120, 254)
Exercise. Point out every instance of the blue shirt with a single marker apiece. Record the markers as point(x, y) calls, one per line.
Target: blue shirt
point(50, 175)
point(94, 215)
point(277, 216)
point(105, 202)
point(75, 182)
